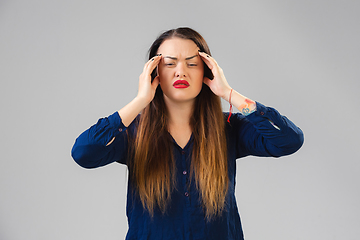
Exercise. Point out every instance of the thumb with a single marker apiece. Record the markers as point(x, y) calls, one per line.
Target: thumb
point(155, 82)
point(207, 81)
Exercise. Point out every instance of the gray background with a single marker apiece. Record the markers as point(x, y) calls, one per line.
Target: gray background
point(64, 64)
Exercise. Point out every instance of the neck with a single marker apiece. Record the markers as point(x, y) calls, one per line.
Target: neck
point(179, 112)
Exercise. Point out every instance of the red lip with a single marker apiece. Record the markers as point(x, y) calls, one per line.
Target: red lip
point(181, 84)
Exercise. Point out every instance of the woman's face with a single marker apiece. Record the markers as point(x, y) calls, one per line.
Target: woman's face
point(181, 70)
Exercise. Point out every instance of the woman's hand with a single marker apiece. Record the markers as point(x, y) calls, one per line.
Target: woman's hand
point(218, 84)
point(221, 88)
point(146, 87)
point(145, 94)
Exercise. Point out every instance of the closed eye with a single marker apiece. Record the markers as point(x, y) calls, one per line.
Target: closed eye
point(192, 64)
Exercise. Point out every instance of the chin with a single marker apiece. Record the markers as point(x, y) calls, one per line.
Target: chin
point(180, 98)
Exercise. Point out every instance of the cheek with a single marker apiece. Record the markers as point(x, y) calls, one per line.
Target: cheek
point(198, 79)
point(201, 70)
point(160, 71)
point(164, 75)
point(199, 74)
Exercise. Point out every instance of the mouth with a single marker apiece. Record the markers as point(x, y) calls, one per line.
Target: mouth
point(181, 84)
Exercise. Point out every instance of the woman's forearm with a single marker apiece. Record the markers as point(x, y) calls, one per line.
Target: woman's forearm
point(245, 105)
point(131, 110)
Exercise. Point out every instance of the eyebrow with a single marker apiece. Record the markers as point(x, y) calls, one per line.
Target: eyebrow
point(174, 58)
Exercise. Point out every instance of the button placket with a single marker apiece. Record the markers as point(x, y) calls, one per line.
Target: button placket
point(184, 173)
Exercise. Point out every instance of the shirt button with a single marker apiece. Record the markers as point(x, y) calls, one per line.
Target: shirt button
point(262, 113)
point(182, 152)
point(120, 130)
point(184, 172)
point(186, 194)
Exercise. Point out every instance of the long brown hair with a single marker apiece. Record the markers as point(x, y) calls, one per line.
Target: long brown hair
point(152, 167)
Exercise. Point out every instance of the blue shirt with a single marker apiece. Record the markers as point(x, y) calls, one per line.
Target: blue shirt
point(262, 133)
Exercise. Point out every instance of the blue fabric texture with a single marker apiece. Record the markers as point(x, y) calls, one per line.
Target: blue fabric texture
point(254, 134)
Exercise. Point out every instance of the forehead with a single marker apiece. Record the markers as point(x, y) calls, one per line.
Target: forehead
point(178, 47)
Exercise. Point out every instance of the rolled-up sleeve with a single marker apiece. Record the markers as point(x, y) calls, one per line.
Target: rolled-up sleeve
point(90, 149)
point(265, 132)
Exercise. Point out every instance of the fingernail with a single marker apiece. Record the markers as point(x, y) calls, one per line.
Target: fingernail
point(152, 59)
point(208, 56)
point(160, 54)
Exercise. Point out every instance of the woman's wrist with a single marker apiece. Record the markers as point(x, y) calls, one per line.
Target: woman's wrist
point(245, 105)
point(227, 94)
point(141, 101)
point(129, 112)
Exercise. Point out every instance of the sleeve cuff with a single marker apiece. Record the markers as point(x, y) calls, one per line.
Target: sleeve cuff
point(261, 109)
point(260, 113)
point(116, 123)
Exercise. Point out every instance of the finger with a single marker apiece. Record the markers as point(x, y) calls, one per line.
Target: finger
point(206, 60)
point(146, 64)
point(153, 62)
point(210, 61)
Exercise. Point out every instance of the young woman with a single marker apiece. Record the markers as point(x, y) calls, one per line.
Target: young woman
point(180, 148)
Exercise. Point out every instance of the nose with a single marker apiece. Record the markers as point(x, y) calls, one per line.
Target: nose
point(180, 70)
